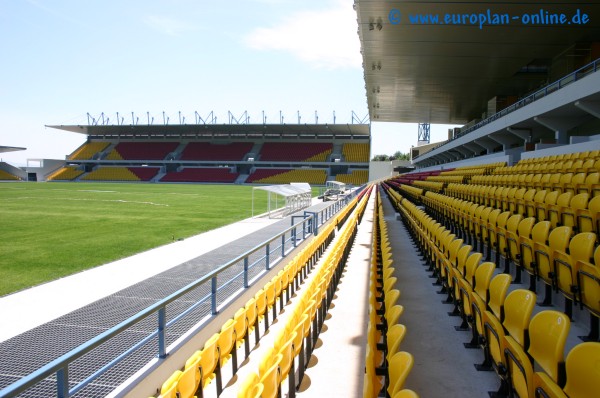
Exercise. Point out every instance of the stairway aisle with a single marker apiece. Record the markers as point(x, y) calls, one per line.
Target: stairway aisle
point(443, 367)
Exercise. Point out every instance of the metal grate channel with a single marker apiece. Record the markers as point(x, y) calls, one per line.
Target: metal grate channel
point(31, 350)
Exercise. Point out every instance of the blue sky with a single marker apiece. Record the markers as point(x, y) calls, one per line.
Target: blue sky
point(65, 58)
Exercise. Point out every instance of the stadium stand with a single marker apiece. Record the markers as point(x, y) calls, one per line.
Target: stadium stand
point(505, 334)
point(67, 173)
point(136, 150)
point(295, 152)
point(254, 152)
point(111, 174)
point(289, 342)
point(193, 174)
point(6, 176)
point(356, 152)
point(215, 152)
point(89, 150)
point(356, 177)
point(286, 176)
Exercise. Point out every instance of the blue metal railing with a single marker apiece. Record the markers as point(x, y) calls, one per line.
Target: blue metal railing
point(287, 241)
point(543, 92)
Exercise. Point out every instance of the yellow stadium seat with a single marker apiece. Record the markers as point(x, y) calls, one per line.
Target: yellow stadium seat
point(548, 331)
point(581, 248)
point(400, 366)
point(251, 387)
point(582, 372)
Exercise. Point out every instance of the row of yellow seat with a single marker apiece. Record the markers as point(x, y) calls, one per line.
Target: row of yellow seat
point(579, 211)
point(583, 181)
point(88, 150)
point(6, 176)
point(563, 166)
point(595, 154)
point(299, 335)
point(355, 177)
point(205, 365)
point(356, 152)
point(386, 367)
point(66, 173)
point(554, 245)
point(513, 342)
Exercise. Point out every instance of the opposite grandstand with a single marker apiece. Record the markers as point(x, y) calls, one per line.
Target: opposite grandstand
point(253, 154)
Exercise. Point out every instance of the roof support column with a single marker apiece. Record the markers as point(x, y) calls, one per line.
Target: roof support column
point(559, 126)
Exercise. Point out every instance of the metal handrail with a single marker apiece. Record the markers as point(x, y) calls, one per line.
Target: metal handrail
point(541, 93)
point(60, 366)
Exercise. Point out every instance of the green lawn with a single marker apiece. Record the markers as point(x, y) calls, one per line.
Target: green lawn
point(50, 230)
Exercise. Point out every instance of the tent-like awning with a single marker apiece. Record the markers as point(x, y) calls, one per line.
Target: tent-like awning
point(286, 199)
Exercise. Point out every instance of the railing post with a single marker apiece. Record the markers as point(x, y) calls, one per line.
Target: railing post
point(267, 255)
point(246, 272)
point(294, 236)
point(62, 382)
point(162, 326)
point(283, 245)
point(213, 296)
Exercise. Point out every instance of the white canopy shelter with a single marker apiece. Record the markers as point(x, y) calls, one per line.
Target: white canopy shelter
point(286, 199)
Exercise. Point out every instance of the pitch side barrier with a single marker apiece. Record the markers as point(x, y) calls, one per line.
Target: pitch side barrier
point(59, 368)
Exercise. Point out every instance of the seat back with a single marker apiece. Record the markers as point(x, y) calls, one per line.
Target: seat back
point(518, 307)
point(261, 302)
point(500, 228)
point(406, 394)
point(251, 313)
point(497, 292)
point(548, 331)
point(523, 228)
point(461, 258)
point(394, 335)
point(545, 387)
point(581, 248)
point(562, 201)
point(494, 336)
point(399, 367)
point(587, 219)
point(286, 349)
point(542, 209)
point(189, 381)
point(241, 322)
point(583, 372)
point(558, 240)
point(251, 387)
point(519, 368)
point(169, 387)
point(588, 280)
point(483, 277)
point(226, 341)
point(539, 233)
point(578, 201)
point(270, 378)
point(209, 358)
point(471, 266)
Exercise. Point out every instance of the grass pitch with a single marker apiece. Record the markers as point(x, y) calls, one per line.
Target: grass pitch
point(50, 230)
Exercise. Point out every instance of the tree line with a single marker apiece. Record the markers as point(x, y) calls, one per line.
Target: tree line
point(396, 156)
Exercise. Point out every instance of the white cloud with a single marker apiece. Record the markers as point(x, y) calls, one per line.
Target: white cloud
point(168, 26)
point(324, 39)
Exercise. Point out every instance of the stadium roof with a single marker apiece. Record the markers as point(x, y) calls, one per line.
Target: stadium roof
point(11, 149)
point(221, 130)
point(446, 73)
